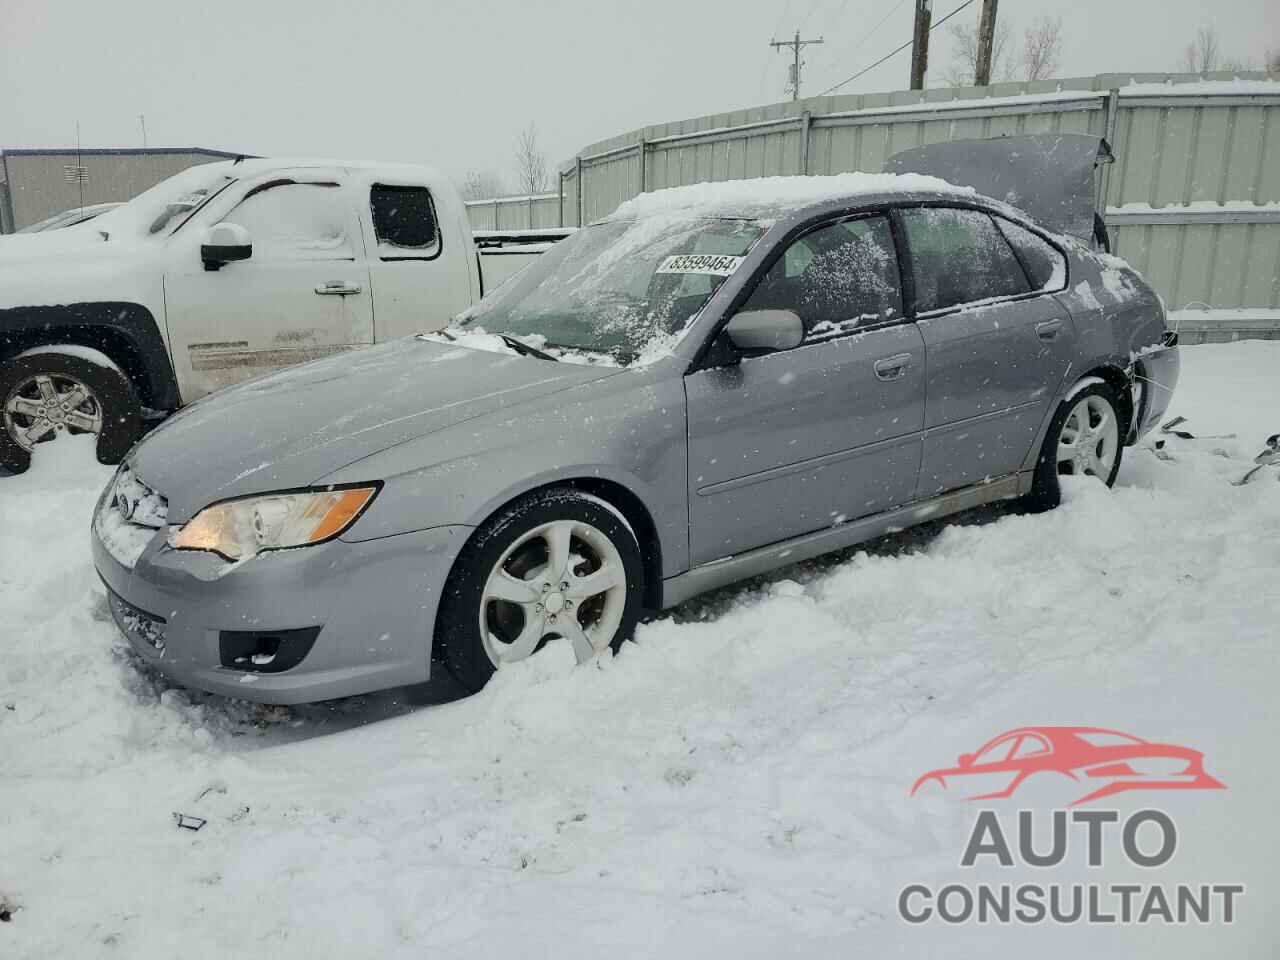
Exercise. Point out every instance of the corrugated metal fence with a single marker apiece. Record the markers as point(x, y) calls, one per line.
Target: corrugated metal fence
point(534, 212)
point(1193, 199)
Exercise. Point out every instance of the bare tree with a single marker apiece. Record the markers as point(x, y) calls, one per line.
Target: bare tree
point(531, 162)
point(1042, 48)
point(482, 185)
point(1273, 60)
point(964, 54)
point(1201, 54)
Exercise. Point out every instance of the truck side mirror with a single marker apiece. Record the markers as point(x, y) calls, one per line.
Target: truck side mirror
point(224, 243)
point(765, 331)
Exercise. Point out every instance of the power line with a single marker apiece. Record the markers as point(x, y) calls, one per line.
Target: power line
point(866, 37)
point(894, 52)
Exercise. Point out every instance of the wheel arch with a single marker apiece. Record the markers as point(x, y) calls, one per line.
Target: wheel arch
point(619, 496)
point(1116, 377)
point(127, 333)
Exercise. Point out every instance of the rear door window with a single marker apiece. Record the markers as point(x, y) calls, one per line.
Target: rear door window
point(959, 257)
point(837, 278)
point(404, 222)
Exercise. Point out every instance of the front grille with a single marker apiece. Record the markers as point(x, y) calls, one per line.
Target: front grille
point(136, 624)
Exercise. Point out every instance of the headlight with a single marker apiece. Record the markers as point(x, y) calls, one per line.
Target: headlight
point(240, 529)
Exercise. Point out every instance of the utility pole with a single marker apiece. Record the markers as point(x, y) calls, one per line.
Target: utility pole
point(986, 43)
point(795, 45)
point(142, 119)
point(920, 43)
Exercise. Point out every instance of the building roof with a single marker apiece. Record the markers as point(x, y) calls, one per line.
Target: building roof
point(116, 152)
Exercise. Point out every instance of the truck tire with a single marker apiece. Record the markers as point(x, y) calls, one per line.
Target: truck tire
point(48, 395)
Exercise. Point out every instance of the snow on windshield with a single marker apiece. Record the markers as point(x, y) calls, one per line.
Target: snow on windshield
point(160, 210)
point(622, 289)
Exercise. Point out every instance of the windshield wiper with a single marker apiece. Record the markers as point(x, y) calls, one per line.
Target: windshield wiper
point(519, 346)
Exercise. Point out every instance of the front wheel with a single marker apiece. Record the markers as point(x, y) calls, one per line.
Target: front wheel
point(48, 395)
point(1084, 439)
point(557, 564)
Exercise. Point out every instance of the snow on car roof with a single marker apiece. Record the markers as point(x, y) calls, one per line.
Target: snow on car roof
point(762, 194)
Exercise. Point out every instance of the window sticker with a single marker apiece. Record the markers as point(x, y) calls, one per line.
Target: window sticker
point(706, 263)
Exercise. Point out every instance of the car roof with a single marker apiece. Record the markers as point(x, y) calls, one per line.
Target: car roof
point(251, 166)
point(776, 197)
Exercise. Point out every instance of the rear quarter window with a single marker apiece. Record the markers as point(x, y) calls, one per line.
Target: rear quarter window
point(1045, 266)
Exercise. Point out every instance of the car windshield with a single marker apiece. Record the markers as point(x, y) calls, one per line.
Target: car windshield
point(624, 287)
point(162, 209)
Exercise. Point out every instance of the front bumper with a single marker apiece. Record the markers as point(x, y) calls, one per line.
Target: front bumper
point(374, 603)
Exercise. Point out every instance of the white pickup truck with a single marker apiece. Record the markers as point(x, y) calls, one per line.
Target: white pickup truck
point(223, 272)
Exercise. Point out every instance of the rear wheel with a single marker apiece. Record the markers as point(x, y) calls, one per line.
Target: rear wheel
point(1084, 439)
point(558, 564)
point(47, 396)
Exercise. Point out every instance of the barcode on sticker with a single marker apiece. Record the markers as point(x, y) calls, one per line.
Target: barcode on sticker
point(711, 264)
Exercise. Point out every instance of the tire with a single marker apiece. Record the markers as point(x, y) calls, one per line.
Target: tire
point(1046, 491)
point(477, 631)
point(110, 406)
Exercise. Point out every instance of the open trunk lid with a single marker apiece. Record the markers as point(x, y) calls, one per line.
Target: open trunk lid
point(1050, 176)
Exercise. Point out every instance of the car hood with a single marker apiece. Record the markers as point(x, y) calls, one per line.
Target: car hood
point(73, 265)
point(292, 428)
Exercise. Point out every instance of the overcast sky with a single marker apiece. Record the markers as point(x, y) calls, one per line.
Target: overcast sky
point(451, 84)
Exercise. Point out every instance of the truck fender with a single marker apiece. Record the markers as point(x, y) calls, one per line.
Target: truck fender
point(125, 332)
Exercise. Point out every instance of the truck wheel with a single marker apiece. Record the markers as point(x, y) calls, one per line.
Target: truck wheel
point(558, 563)
point(1085, 437)
point(46, 396)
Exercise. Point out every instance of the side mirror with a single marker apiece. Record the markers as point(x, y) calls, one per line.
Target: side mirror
point(765, 331)
point(224, 243)
point(966, 760)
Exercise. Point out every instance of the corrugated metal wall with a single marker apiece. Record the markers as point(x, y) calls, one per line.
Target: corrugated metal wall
point(515, 213)
point(1193, 198)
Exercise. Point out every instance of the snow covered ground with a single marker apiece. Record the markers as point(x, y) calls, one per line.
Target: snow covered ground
point(734, 784)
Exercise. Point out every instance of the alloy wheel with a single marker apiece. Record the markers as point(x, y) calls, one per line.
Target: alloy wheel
point(562, 579)
point(48, 405)
point(1090, 439)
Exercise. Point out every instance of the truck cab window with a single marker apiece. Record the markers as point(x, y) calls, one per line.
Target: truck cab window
point(404, 221)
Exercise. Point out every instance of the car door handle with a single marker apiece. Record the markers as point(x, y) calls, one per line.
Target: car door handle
point(892, 368)
point(1048, 329)
point(337, 288)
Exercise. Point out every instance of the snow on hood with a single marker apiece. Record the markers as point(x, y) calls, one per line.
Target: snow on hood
point(292, 428)
point(732, 197)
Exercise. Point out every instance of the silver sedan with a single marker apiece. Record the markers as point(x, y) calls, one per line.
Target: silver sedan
point(708, 385)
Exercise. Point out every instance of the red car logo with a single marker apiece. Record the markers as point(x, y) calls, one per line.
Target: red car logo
point(1116, 761)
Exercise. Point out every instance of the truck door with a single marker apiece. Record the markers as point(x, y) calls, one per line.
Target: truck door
point(302, 294)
